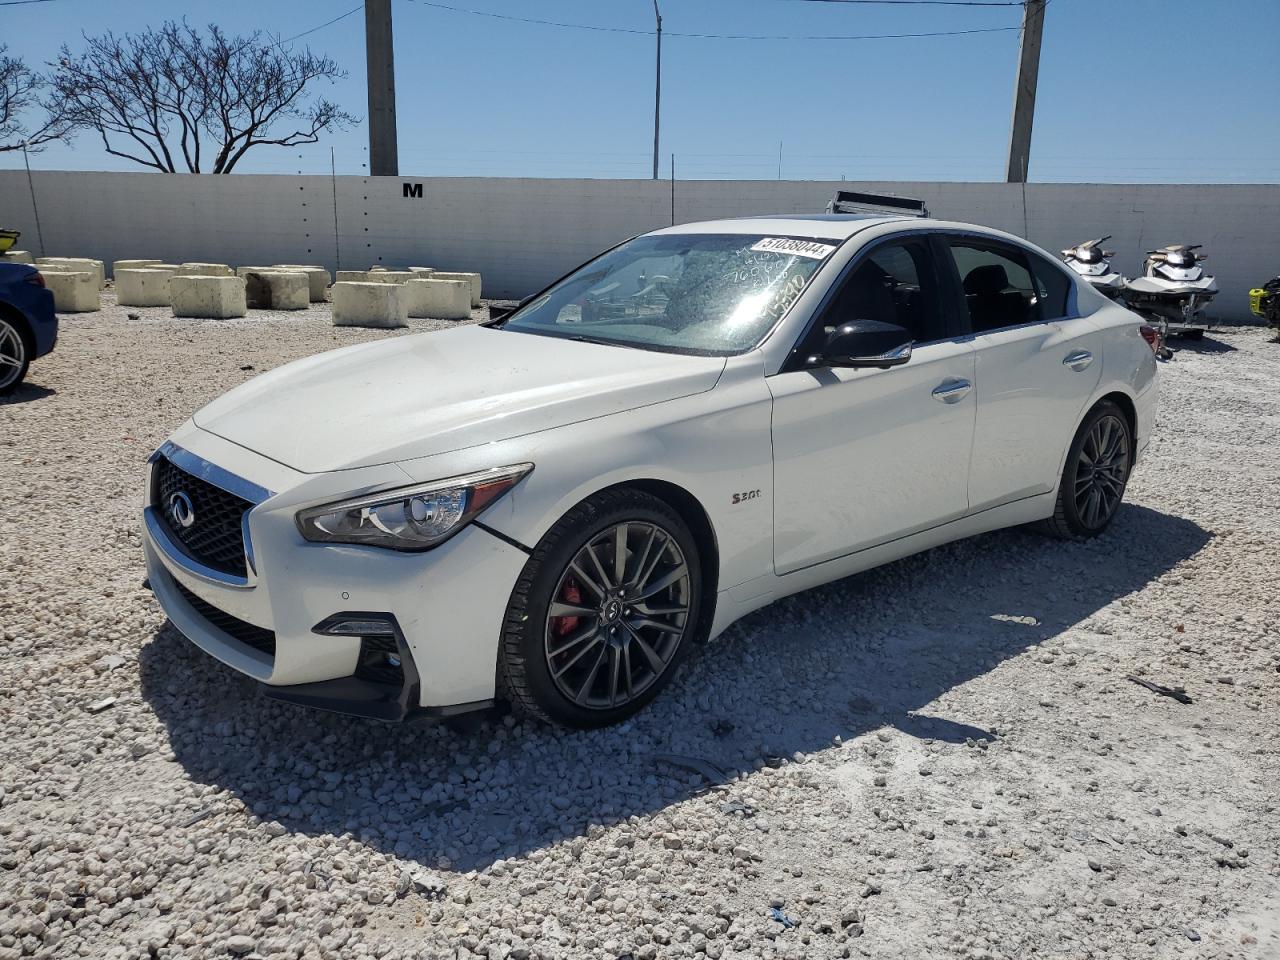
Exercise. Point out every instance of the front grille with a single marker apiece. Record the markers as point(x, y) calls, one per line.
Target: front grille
point(215, 537)
point(257, 637)
point(373, 664)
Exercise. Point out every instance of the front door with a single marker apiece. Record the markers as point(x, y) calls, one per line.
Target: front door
point(865, 456)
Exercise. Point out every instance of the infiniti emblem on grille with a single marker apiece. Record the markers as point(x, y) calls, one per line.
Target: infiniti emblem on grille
point(181, 511)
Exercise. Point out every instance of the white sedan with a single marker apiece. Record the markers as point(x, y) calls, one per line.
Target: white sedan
point(552, 508)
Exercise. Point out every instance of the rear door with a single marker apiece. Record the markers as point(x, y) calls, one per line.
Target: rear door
point(864, 456)
point(1037, 363)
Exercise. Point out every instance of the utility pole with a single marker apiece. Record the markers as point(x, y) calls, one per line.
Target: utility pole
point(1024, 92)
point(384, 160)
point(657, 90)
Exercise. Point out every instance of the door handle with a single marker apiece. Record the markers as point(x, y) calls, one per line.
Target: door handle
point(951, 391)
point(1077, 360)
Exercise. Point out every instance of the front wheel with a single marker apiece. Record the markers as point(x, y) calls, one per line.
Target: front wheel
point(13, 356)
point(603, 612)
point(1095, 475)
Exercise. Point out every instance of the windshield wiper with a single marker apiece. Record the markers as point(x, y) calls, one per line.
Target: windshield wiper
point(582, 338)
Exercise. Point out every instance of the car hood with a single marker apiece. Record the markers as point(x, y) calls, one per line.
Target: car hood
point(432, 393)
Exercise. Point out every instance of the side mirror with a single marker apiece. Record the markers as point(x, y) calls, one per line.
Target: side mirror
point(865, 343)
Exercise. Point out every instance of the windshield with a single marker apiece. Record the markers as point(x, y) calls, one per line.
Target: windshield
point(707, 294)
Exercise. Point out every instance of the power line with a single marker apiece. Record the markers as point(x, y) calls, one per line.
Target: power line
point(864, 36)
point(296, 36)
point(544, 23)
point(712, 36)
point(923, 3)
point(19, 3)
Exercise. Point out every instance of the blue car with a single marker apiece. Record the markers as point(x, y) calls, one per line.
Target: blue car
point(28, 325)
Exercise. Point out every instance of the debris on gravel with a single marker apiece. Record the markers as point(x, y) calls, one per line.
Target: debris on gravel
point(770, 804)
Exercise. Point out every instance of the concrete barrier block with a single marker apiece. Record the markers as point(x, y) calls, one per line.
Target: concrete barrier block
point(206, 270)
point(271, 289)
point(369, 305)
point(351, 276)
point(211, 297)
point(390, 276)
point(142, 287)
point(75, 265)
point(318, 278)
point(17, 256)
point(118, 265)
point(471, 278)
point(439, 299)
point(74, 291)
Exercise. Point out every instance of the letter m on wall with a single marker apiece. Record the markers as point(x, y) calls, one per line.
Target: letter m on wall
point(413, 190)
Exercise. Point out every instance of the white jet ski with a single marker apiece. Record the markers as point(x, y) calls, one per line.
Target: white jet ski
point(1173, 290)
point(1090, 261)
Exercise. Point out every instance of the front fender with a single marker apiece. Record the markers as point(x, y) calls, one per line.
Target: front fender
point(713, 446)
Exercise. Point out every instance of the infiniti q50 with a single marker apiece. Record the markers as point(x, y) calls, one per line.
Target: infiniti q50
point(552, 508)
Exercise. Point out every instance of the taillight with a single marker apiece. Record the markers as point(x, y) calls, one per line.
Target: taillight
point(36, 278)
point(1150, 335)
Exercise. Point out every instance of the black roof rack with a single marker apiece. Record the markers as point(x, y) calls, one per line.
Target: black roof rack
point(851, 201)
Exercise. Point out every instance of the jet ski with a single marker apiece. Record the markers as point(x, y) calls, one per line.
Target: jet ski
point(1173, 290)
point(1090, 261)
point(1264, 302)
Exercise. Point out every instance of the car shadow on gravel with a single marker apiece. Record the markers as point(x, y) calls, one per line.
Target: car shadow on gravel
point(854, 656)
point(26, 393)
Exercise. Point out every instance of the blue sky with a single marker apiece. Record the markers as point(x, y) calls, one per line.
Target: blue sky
point(1130, 90)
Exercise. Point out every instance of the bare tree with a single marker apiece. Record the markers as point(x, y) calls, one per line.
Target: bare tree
point(19, 93)
point(171, 98)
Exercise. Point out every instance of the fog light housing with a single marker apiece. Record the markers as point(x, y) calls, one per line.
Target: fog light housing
point(384, 656)
point(343, 626)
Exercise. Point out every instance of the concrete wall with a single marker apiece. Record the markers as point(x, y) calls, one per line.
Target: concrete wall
point(520, 234)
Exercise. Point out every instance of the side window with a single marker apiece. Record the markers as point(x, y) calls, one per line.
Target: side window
point(894, 284)
point(997, 286)
point(1053, 288)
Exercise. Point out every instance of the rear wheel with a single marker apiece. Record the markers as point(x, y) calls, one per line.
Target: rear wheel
point(1095, 475)
point(603, 612)
point(14, 356)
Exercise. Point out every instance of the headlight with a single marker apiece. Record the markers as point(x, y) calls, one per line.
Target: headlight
point(410, 518)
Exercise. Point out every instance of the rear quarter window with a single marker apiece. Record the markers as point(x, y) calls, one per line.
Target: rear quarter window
point(1053, 288)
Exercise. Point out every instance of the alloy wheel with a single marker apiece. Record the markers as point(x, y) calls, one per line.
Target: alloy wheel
point(618, 615)
point(13, 354)
point(1102, 470)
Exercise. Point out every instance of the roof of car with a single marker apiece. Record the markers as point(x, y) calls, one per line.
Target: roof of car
point(823, 226)
point(831, 226)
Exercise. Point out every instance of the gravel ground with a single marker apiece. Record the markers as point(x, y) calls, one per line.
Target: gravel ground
point(939, 758)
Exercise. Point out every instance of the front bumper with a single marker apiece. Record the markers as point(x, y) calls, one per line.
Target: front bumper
point(445, 605)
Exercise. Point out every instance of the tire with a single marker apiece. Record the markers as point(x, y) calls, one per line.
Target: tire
point(15, 355)
point(605, 656)
point(1077, 514)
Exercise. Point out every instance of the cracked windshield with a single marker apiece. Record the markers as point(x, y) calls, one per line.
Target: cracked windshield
point(691, 293)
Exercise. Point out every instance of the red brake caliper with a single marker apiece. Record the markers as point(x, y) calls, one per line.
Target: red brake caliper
point(571, 593)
